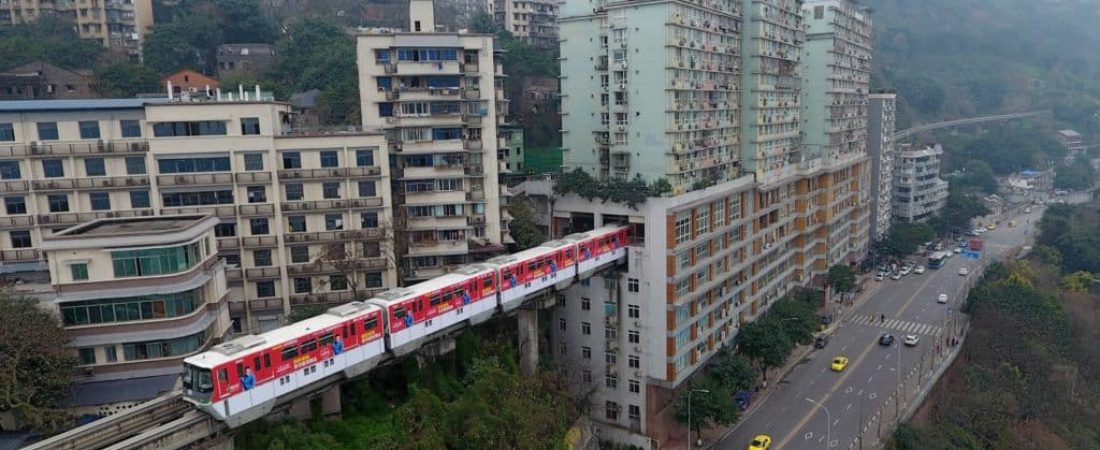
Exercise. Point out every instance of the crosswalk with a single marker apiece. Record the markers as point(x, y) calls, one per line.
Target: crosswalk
point(903, 326)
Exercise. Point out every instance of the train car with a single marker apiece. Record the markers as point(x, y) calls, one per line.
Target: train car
point(553, 264)
point(242, 380)
point(599, 247)
point(414, 313)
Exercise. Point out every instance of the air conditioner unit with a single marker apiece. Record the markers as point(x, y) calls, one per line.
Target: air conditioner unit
point(106, 183)
point(637, 349)
point(637, 374)
point(390, 120)
point(101, 146)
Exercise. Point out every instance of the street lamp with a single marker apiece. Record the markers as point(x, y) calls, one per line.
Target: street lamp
point(828, 423)
point(704, 391)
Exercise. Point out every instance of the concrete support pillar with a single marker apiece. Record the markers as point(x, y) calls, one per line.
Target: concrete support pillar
point(528, 330)
point(330, 402)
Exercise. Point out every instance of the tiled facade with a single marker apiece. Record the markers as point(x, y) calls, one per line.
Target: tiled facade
point(918, 190)
point(882, 109)
point(282, 196)
point(535, 21)
point(116, 24)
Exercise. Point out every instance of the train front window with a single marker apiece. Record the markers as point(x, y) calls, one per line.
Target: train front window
point(197, 379)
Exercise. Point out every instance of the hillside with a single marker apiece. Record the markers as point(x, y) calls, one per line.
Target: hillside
point(957, 58)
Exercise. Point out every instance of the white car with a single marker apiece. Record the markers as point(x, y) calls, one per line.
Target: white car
point(880, 276)
point(919, 270)
point(958, 250)
point(905, 270)
point(911, 340)
point(964, 271)
point(942, 298)
point(896, 276)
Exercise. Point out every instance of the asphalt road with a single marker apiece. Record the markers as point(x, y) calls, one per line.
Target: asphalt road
point(854, 395)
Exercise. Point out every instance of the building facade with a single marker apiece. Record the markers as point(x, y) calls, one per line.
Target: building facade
point(918, 190)
point(41, 80)
point(510, 149)
point(438, 97)
point(118, 25)
point(770, 182)
point(245, 60)
point(880, 149)
point(287, 200)
point(535, 21)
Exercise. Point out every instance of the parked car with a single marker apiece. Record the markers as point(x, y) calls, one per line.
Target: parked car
point(743, 399)
point(939, 247)
point(918, 270)
point(821, 341)
point(905, 270)
point(895, 276)
point(958, 250)
point(886, 340)
point(991, 226)
point(880, 276)
point(942, 298)
point(911, 340)
point(964, 271)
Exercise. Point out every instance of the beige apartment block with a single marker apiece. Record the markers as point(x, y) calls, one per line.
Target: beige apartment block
point(287, 200)
point(116, 24)
point(438, 97)
point(535, 21)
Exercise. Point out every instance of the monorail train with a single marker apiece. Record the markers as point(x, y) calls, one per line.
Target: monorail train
point(243, 379)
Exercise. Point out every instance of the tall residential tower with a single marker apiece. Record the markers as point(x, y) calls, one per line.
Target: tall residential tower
point(880, 148)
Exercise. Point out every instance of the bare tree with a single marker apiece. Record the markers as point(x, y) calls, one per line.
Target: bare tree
point(364, 251)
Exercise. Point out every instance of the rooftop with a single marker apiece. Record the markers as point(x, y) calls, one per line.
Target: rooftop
point(118, 391)
point(79, 104)
point(132, 226)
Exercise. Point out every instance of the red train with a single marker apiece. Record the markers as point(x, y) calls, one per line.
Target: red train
point(243, 379)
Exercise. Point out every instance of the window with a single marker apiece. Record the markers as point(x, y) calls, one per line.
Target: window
point(382, 56)
point(337, 283)
point(561, 324)
point(130, 128)
point(632, 311)
point(145, 307)
point(633, 362)
point(101, 201)
point(79, 271)
point(634, 411)
point(196, 128)
point(586, 328)
point(265, 289)
point(7, 132)
point(719, 213)
point(89, 129)
point(364, 158)
point(139, 199)
point(633, 337)
point(94, 167)
point(586, 304)
point(632, 284)
point(635, 387)
point(586, 376)
point(683, 227)
point(611, 381)
point(21, 239)
point(369, 220)
point(334, 222)
point(294, 192)
point(164, 348)
point(586, 352)
point(112, 353)
point(228, 229)
point(256, 194)
point(15, 205)
point(250, 126)
point(47, 131)
point(366, 189)
point(611, 410)
point(196, 198)
point(261, 258)
point(374, 279)
point(330, 159)
point(9, 170)
point(330, 190)
point(194, 165)
point(299, 254)
point(297, 224)
point(58, 202)
point(135, 165)
point(253, 162)
point(292, 160)
point(259, 226)
point(87, 356)
point(53, 168)
point(702, 220)
point(155, 261)
point(303, 285)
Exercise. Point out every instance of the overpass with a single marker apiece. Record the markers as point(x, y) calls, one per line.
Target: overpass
point(169, 423)
point(967, 121)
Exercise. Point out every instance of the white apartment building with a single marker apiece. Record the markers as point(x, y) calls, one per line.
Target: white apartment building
point(438, 96)
point(535, 21)
point(918, 190)
point(282, 196)
point(882, 110)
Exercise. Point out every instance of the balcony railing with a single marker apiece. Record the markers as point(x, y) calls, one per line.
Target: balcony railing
point(333, 172)
point(84, 148)
point(253, 177)
point(262, 272)
point(18, 255)
point(220, 211)
point(16, 221)
point(259, 241)
point(256, 209)
point(14, 186)
point(195, 179)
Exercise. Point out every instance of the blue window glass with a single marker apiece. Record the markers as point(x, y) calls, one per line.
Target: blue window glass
point(196, 198)
point(253, 161)
point(52, 168)
point(101, 201)
point(94, 167)
point(58, 202)
point(294, 192)
point(198, 128)
point(418, 161)
point(443, 82)
point(15, 205)
point(297, 224)
point(385, 109)
point(367, 189)
point(192, 165)
point(250, 126)
point(7, 132)
point(89, 129)
point(139, 199)
point(156, 261)
point(130, 128)
point(47, 131)
point(9, 169)
point(135, 165)
point(385, 83)
point(259, 226)
point(364, 158)
point(441, 134)
point(330, 159)
point(382, 56)
point(292, 160)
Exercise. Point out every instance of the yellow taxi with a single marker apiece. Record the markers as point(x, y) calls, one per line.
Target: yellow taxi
point(839, 363)
point(761, 442)
point(991, 227)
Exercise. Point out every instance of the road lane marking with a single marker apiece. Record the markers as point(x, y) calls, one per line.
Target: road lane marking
point(849, 407)
point(836, 385)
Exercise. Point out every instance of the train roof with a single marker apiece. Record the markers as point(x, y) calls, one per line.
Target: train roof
point(242, 345)
point(593, 233)
point(545, 247)
point(459, 275)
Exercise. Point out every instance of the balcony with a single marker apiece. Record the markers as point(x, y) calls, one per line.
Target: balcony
point(329, 205)
point(471, 94)
point(453, 169)
point(228, 243)
point(427, 248)
point(63, 149)
point(331, 236)
point(75, 218)
point(265, 304)
point(112, 182)
point(202, 179)
point(14, 186)
point(253, 177)
point(220, 211)
point(16, 222)
point(475, 196)
point(259, 241)
point(262, 272)
point(21, 255)
point(256, 209)
point(471, 120)
point(328, 173)
point(472, 145)
point(436, 223)
point(234, 274)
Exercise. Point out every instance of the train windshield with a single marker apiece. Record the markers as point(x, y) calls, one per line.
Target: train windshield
point(197, 379)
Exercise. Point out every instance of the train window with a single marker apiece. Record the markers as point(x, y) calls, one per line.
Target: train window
point(351, 329)
point(346, 331)
point(289, 353)
point(267, 360)
point(448, 296)
point(399, 312)
point(309, 346)
point(326, 339)
point(434, 300)
point(240, 369)
point(568, 253)
point(223, 376)
point(531, 266)
point(256, 363)
point(487, 283)
point(370, 323)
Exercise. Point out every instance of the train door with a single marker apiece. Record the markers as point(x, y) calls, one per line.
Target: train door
point(263, 389)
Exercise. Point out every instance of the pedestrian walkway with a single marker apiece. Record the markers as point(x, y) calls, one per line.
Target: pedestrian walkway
point(903, 326)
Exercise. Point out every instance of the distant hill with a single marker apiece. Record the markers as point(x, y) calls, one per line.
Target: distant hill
point(958, 58)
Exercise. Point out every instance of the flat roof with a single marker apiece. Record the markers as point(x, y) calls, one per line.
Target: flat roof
point(79, 104)
point(133, 226)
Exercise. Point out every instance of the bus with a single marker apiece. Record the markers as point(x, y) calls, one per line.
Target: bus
point(937, 259)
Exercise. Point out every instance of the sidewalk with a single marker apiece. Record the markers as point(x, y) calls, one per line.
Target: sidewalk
point(713, 436)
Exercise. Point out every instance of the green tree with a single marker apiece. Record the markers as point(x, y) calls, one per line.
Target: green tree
point(37, 368)
point(904, 238)
point(712, 408)
point(48, 39)
point(841, 277)
point(483, 23)
point(125, 80)
point(166, 49)
point(732, 370)
point(765, 342)
point(796, 319)
point(524, 225)
point(315, 54)
point(1080, 175)
point(977, 175)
